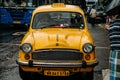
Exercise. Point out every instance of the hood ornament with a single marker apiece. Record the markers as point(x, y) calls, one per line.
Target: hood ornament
point(57, 44)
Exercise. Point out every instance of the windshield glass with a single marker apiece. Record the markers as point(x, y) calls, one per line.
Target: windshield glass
point(58, 19)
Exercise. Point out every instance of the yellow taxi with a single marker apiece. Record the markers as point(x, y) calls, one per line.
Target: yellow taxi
point(57, 43)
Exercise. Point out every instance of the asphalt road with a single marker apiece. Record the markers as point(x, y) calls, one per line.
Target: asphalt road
point(11, 37)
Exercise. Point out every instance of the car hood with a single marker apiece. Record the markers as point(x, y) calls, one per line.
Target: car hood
point(57, 39)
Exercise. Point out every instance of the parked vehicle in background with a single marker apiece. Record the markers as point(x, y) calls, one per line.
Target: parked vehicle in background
point(89, 3)
point(18, 11)
point(57, 45)
point(100, 13)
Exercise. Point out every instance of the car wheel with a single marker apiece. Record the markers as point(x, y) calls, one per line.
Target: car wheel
point(24, 75)
point(88, 75)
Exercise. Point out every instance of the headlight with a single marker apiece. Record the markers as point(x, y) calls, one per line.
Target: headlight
point(26, 47)
point(88, 48)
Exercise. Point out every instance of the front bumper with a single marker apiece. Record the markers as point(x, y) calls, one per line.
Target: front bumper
point(52, 64)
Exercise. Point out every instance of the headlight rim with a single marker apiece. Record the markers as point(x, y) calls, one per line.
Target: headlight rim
point(21, 47)
point(93, 47)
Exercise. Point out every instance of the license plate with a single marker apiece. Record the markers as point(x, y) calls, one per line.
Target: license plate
point(56, 73)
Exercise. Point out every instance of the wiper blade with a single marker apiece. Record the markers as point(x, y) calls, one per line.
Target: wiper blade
point(48, 26)
point(45, 26)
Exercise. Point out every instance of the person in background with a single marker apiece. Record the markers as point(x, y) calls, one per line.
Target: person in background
point(109, 20)
point(29, 3)
point(92, 15)
point(114, 37)
point(23, 4)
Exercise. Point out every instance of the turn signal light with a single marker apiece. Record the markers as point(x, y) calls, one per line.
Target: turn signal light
point(27, 56)
point(87, 57)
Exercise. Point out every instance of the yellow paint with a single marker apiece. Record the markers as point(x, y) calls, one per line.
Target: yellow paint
point(58, 38)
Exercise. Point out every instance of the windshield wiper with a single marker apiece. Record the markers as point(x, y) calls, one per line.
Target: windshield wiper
point(46, 26)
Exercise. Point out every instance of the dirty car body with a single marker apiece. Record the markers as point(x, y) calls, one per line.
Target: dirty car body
point(60, 46)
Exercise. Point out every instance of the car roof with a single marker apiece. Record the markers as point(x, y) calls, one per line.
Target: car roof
point(58, 7)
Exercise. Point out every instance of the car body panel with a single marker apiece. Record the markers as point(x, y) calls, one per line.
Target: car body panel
point(57, 49)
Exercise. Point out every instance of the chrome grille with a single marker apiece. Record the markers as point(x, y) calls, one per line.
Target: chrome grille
point(57, 55)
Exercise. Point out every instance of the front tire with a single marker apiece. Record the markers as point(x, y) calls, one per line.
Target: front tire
point(88, 75)
point(25, 75)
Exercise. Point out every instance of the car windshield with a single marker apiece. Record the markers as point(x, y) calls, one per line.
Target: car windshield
point(58, 20)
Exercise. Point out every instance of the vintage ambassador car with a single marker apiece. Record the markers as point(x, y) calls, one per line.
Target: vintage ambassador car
point(57, 43)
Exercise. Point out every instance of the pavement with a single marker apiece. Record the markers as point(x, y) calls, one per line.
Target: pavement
point(102, 46)
point(105, 74)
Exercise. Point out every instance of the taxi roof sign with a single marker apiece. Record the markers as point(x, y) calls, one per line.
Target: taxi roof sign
point(58, 5)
